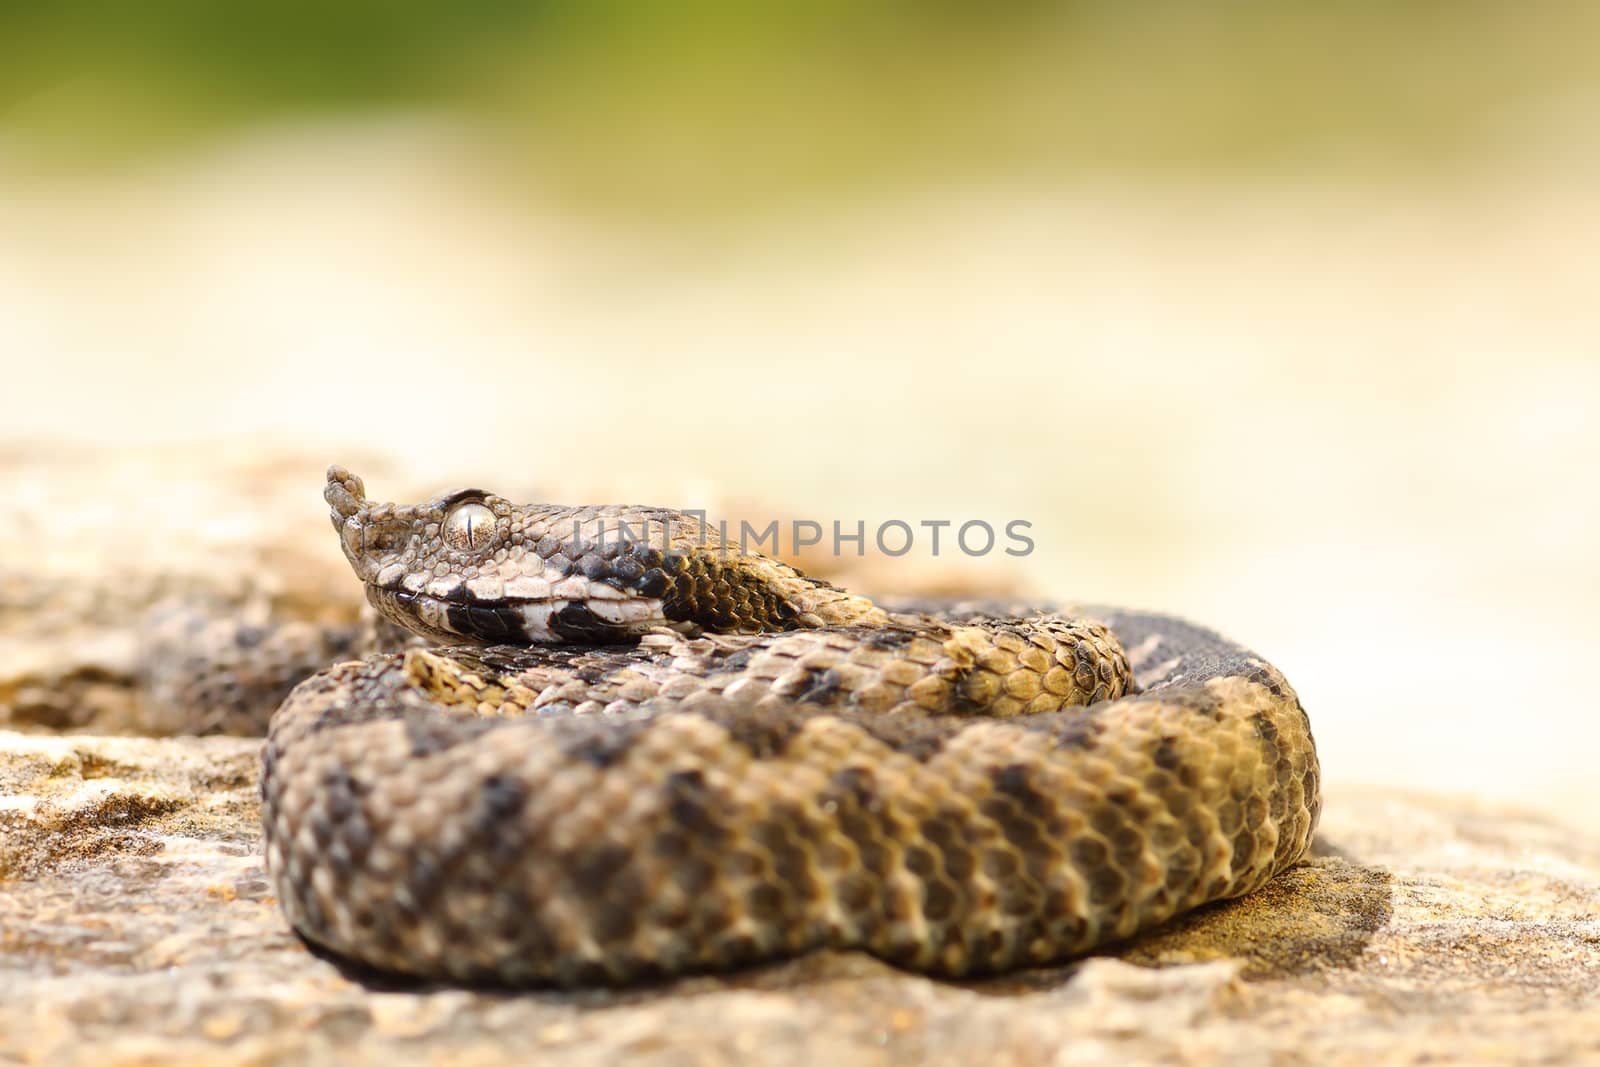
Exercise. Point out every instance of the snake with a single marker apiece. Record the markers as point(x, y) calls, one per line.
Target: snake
point(618, 748)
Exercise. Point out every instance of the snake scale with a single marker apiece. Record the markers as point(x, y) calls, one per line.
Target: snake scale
point(628, 750)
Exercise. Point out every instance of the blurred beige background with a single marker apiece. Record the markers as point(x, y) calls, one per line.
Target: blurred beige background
point(1286, 322)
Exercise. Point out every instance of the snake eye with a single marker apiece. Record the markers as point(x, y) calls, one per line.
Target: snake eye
point(469, 527)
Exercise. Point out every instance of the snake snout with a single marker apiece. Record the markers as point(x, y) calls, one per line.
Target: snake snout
point(347, 497)
point(344, 492)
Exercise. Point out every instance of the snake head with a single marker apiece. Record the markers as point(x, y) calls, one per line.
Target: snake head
point(434, 567)
point(475, 567)
point(472, 566)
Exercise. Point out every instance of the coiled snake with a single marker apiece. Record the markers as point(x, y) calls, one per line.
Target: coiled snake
point(635, 751)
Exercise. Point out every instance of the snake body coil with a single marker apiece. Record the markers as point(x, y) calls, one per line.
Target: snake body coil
point(637, 752)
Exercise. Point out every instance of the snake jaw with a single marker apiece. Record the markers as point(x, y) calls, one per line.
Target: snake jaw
point(460, 617)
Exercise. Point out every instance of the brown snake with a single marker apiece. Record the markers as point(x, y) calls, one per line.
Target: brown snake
point(637, 752)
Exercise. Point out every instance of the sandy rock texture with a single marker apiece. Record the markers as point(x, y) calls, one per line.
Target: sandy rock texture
point(137, 926)
point(94, 543)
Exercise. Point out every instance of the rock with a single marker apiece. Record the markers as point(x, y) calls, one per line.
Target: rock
point(92, 542)
point(137, 925)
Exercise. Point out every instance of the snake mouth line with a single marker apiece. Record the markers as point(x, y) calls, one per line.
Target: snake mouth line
point(514, 620)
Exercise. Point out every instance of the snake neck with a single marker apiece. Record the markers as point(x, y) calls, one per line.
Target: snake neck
point(807, 603)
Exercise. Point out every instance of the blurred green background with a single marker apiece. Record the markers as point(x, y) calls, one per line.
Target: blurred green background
point(723, 107)
point(1282, 316)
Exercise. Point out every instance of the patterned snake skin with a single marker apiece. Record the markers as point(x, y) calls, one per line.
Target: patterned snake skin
point(637, 752)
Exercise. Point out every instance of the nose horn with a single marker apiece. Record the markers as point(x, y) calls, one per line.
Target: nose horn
point(344, 492)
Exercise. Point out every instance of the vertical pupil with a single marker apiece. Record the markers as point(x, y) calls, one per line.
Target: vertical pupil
point(470, 526)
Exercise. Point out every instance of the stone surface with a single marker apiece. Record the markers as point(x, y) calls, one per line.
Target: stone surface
point(136, 926)
point(93, 542)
